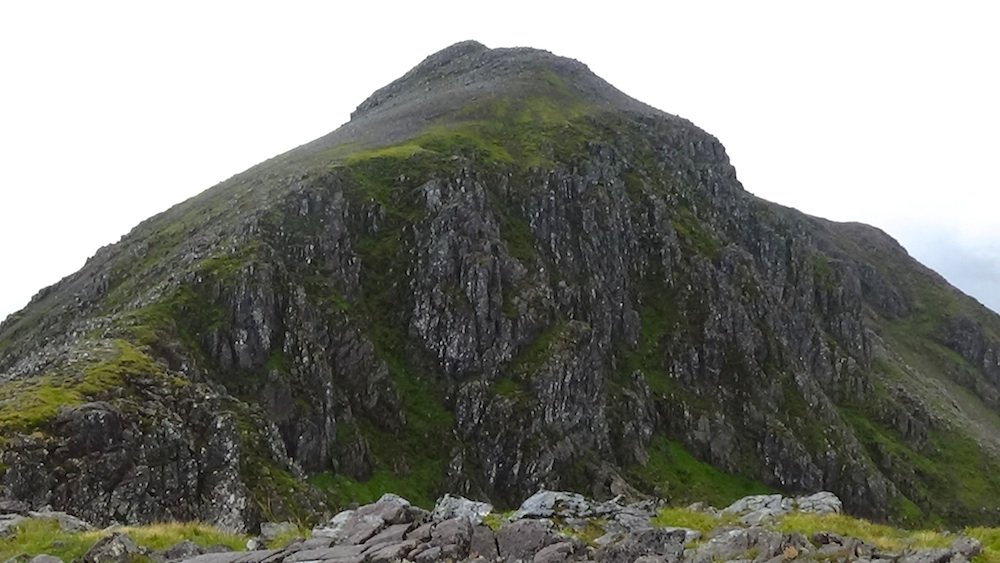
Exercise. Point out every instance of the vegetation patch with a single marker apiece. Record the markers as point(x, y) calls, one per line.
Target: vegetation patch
point(693, 234)
point(703, 522)
point(951, 478)
point(533, 357)
point(658, 316)
point(36, 536)
point(882, 536)
point(680, 478)
point(29, 404)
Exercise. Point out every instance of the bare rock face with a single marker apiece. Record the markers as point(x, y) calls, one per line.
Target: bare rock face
point(503, 275)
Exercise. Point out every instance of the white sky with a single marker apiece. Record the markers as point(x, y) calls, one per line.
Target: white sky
point(882, 112)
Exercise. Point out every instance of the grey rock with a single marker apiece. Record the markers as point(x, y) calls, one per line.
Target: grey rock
point(522, 539)
point(667, 544)
point(932, 556)
point(218, 557)
point(8, 522)
point(483, 543)
point(820, 503)
point(391, 534)
point(389, 552)
point(561, 552)
point(689, 534)
point(455, 533)
point(13, 506)
point(185, 549)
point(738, 542)
point(44, 558)
point(421, 532)
point(115, 548)
point(262, 555)
point(967, 547)
point(450, 506)
point(546, 504)
point(326, 553)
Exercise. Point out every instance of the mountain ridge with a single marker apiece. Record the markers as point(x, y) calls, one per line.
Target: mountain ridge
point(488, 290)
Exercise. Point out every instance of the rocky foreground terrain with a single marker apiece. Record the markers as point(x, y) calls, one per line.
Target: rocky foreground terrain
point(548, 527)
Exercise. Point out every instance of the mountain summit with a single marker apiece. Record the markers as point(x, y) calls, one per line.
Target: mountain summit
point(502, 274)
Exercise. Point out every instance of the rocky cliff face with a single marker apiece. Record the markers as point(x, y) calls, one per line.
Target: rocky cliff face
point(502, 274)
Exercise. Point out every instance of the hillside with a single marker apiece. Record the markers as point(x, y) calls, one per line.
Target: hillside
point(501, 274)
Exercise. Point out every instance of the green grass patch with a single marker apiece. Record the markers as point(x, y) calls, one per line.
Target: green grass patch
point(42, 535)
point(951, 478)
point(29, 404)
point(534, 355)
point(703, 522)
point(679, 477)
point(509, 388)
point(693, 234)
point(883, 536)
point(658, 316)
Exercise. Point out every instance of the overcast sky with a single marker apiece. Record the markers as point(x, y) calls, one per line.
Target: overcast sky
point(881, 112)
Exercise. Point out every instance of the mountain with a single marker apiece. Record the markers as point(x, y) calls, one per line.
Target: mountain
point(501, 274)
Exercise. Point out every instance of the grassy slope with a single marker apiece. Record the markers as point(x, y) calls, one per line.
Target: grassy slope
point(953, 476)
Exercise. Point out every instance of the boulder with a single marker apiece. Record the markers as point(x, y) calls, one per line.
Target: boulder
point(522, 539)
point(116, 548)
point(450, 506)
point(546, 504)
point(182, 550)
point(654, 542)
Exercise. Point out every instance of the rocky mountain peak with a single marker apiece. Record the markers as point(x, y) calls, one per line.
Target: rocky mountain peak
point(502, 274)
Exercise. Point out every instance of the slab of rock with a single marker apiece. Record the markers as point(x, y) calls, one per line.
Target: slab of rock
point(820, 503)
point(219, 557)
point(261, 555)
point(522, 539)
point(45, 558)
point(655, 542)
point(391, 534)
point(8, 522)
point(357, 526)
point(483, 543)
point(546, 504)
point(739, 542)
point(182, 550)
point(12, 506)
point(389, 552)
point(967, 547)
point(456, 531)
point(449, 506)
point(757, 509)
point(116, 548)
point(562, 552)
point(326, 553)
